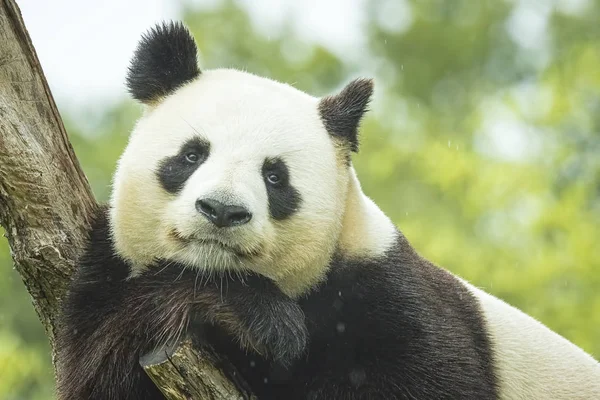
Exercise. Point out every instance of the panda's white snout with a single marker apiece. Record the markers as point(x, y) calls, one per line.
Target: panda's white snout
point(223, 215)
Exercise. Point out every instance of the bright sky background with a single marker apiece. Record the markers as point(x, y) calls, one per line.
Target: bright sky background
point(84, 46)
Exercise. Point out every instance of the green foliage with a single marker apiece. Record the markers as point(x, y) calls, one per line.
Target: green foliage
point(484, 152)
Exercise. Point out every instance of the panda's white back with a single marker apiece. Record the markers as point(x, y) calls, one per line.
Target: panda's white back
point(532, 361)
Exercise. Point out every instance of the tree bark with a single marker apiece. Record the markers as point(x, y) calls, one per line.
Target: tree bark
point(181, 374)
point(44, 196)
point(46, 201)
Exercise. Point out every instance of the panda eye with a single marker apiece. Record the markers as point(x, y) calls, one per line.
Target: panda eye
point(192, 158)
point(273, 178)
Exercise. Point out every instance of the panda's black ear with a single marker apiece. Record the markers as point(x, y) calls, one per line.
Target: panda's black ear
point(341, 113)
point(164, 60)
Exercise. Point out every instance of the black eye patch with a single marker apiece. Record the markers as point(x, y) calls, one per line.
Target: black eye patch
point(284, 199)
point(174, 171)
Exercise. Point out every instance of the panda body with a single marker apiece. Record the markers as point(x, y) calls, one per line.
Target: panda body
point(237, 218)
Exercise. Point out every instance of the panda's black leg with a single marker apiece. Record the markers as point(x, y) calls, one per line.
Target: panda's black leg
point(105, 326)
point(262, 317)
point(274, 322)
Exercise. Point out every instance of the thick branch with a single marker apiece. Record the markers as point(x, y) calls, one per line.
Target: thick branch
point(46, 201)
point(182, 374)
point(44, 196)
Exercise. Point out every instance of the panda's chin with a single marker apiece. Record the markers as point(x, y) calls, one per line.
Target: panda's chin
point(214, 245)
point(209, 251)
point(210, 255)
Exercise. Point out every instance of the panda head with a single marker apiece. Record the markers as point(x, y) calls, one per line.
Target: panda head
point(228, 171)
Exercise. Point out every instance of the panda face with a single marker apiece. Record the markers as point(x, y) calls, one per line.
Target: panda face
point(232, 171)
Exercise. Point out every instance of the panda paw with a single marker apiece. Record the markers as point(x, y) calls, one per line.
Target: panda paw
point(280, 332)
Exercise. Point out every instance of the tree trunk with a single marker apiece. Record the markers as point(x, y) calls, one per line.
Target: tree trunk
point(46, 201)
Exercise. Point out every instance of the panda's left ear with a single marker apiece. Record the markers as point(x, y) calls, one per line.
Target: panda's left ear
point(342, 113)
point(164, 60)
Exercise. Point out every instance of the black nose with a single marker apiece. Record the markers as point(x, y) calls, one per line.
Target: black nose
point(221, 214)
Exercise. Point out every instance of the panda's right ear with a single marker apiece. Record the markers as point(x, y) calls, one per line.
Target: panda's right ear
point(164, 60)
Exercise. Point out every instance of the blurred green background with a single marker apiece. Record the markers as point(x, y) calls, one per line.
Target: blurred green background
point(483, 145)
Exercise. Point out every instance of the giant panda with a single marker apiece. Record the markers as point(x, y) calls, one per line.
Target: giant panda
point(236, 217)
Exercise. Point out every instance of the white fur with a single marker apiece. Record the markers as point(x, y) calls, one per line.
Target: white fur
point(246, 119)
point(532, 362)
point(366, 231)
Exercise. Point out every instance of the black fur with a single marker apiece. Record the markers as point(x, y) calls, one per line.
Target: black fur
point(393, 328)
point(342, 113)
point(284, 199)
point(165, 59)
point(108, 322)
point(396, 327)
point(174, 171)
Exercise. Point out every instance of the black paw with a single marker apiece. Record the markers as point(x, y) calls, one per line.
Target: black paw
point(280, 331)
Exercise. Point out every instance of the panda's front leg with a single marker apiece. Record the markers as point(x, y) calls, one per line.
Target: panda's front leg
point(257, 313)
